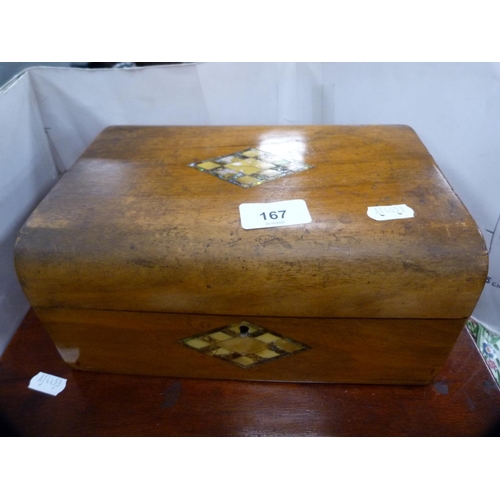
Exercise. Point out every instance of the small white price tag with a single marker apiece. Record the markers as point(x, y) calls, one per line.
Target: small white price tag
point(390, 212)
point(49, 384)
point(278, 213)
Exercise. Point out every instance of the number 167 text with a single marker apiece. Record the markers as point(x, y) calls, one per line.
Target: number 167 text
point(273, 215)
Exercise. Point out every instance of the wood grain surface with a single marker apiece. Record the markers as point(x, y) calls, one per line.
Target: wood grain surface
point(132, 227)
point(380, 351)
point(132, 231)
point(463, 400)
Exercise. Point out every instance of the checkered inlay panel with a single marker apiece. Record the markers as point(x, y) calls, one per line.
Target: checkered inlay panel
point(244, 344)
point(249, 168)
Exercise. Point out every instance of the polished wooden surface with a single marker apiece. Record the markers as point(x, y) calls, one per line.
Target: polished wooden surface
point(377, 351)
point(463, 400)
point(132, 227)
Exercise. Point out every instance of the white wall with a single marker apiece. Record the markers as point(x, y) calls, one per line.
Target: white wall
point(27, 172)
point(49, 116)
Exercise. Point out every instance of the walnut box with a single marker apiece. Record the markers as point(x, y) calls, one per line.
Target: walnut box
point(137, 261)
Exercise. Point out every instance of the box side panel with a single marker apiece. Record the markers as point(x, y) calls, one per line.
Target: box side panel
point(339, 350)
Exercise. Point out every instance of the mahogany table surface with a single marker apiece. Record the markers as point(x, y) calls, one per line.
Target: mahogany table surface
point(463, 400)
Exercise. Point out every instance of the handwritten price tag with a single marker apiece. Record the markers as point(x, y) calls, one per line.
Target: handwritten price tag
point(390, 212)
point(278, 213)
point(49, 384)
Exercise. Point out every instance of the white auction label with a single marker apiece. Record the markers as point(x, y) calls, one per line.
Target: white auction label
point(390, 212)
point(49, 384)
point(278, 213)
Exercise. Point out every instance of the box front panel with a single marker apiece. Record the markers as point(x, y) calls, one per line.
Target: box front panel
point(286, 349)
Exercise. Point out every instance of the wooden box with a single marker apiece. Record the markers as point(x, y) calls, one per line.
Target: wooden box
point(137, 262)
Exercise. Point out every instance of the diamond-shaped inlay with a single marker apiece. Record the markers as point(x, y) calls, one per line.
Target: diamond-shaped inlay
point(244, 344)
point(250, 167)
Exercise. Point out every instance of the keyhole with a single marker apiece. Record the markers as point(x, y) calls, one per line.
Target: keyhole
point(243, 331)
